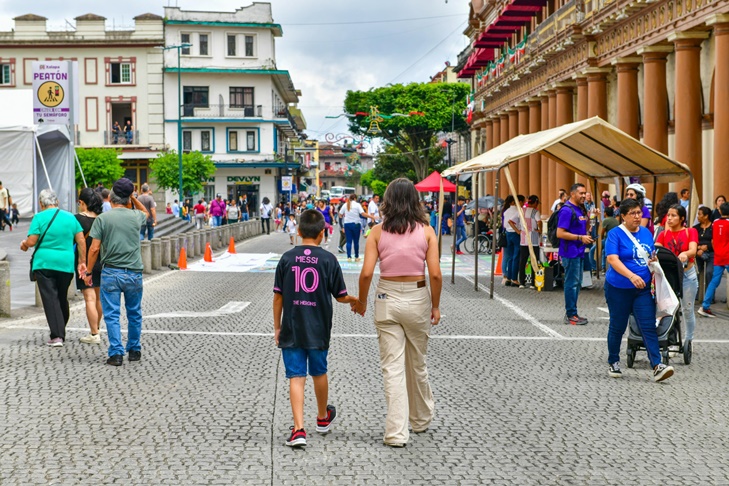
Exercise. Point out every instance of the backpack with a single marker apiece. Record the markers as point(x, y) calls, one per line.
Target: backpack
point(552, 223)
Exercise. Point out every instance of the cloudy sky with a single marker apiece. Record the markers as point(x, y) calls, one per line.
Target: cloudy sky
point(329, 46)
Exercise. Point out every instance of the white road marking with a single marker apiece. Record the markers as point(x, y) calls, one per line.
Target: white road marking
point(232, 307)
point(521, 313)
point(604, 309)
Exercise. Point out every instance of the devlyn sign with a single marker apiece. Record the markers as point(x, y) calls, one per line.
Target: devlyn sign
point(244, 179)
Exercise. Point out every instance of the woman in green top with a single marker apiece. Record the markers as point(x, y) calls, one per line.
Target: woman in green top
point(57, 230)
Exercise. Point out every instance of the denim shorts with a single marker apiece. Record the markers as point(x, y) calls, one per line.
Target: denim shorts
point(295, 361)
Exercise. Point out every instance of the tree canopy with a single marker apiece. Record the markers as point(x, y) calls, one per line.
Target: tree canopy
point(441, 106)
point(196, 168)
point(98, 165)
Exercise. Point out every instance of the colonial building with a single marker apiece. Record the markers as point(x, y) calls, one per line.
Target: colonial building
point(236, 104)
point(119, 78)
point(657, 69)
point(337, 167)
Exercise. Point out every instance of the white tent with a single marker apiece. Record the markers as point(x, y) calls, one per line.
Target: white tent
point(34, 158)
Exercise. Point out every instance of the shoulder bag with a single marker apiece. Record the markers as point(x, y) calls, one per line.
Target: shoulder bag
point(32, 274)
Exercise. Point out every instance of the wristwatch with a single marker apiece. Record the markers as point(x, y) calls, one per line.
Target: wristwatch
point(88, 274)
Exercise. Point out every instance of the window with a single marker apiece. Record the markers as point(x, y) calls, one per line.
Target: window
point(186, 141)
point(185, 39)
point(231, 45)
point(195, 96)
point(242, 98)
point(251, 141)
point(121, 73)
point(203, 41)
point(6, 74)
point(249, 46)
point(205, 141)
point(233, 141)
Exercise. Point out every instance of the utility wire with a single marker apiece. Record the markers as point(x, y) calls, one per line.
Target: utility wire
point(374, 21)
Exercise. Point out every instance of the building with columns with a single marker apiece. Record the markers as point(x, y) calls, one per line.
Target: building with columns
point(656, 69)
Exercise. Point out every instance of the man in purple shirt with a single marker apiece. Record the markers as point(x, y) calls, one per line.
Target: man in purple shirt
point(572, 232)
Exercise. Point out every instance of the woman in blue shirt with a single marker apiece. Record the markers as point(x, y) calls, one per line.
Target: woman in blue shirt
point(628, 288)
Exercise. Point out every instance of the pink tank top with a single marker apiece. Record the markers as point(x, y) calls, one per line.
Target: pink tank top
point(403, 255)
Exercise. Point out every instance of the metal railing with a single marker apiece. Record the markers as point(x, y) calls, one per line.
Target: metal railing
point(223, 111)
point(120, 138)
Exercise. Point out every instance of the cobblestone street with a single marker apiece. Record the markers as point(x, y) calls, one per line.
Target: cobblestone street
point(520, 397)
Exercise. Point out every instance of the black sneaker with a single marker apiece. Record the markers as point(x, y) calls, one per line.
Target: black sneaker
point(614, 370)
point(323, 425)
point(340, 249)
point(575, 320)
point(581, 320)
point(135, 355)
point(297, 439)
point(661, 372)
point(115, 360)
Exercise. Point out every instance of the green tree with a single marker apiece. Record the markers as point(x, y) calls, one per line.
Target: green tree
point(378, 187)
point(98, 165)
point(196, 168)
point(442, 105)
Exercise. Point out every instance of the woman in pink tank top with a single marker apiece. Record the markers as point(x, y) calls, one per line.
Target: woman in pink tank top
point(405, 309)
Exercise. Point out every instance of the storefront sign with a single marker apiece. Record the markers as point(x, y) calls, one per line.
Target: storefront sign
point(54, 92)
point(244, 179)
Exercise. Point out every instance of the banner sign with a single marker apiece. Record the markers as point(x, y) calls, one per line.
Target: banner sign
point(287, 183)
point(53, 92)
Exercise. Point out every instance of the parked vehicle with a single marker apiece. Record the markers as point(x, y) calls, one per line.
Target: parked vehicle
point(337, 193)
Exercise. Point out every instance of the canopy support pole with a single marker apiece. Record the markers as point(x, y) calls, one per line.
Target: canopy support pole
point(598, 238)
point(439, 229)
point(653, 208)
point(493, 240)
point(454, 230)
point(81, 171)
point(522, 219)
point(43, 162)
point(476, 233)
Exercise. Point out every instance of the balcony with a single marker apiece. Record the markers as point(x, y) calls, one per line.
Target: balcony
point(222, 111)
point(121, 138)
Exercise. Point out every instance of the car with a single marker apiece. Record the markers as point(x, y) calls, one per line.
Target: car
point(324, 194)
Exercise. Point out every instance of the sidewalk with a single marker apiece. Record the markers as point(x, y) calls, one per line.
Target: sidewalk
point(22, 290)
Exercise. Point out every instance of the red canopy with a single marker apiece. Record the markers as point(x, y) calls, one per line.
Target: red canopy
point(432, 184)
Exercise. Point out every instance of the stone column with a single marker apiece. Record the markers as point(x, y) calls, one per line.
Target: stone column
point(166, 250)
point(721, 103)
point(156, 253)
point(582, 97)
point(535, 170)
point(628, 103)
point(146, 256)
point(597, 92)
point(524, 186)
point(687, 108)
point(552, 165)
point(545, 194)
point(504, 126)
point(486, 184)
point(513, 133)
point(655, 103)
point(565, 115)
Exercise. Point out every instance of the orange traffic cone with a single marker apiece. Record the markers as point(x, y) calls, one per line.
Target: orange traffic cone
point(182, 262)
point(209, 253)
point(231, 246)
point(498, 264)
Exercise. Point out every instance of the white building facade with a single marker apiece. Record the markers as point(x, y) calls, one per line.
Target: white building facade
point(233, 101)
point(119, 78)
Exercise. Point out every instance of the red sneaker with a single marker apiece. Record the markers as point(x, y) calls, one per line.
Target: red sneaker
point(297, 439)
point(322, 425)
point(459, 252)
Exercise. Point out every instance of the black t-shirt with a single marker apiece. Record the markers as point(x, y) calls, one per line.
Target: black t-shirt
point(307, 277)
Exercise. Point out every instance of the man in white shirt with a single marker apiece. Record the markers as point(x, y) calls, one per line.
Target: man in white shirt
point(560, 200)
point(373, 208)
point(5, 204)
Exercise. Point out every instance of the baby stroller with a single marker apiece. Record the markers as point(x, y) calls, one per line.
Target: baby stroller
point(669, 329)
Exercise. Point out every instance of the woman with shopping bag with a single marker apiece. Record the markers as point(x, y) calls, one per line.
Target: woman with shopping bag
point(628, 288)
point(683, 242)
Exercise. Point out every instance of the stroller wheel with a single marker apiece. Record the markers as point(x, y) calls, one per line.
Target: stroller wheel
point(665, 357)
point(631, 357)
point(688, 350)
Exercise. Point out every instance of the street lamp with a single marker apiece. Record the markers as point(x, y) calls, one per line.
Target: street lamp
point(179, 48)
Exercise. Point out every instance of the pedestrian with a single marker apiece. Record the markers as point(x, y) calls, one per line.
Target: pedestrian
point(89, 208)
point(683, 242)
point(168, 209)
point(373, 208)
point(460, 218)
point(669, 200)
point(716, 214)
point(117, 231)
point(572, 232)
point(528, 236)
point(232, 212)
point(684, 198)
point(351, 213)
point(291, 228)
point(307, 277)
point(176, 209)
point(609, 223)
point(720, 242)
point(199, 210)
point(216, 210)
point(116, 131)
point(188, 209)
point(129, 132)
point(6, 203)
point(53, 232)
point(561, 199)
point(512, 251)
point(266, 209)
point(342, 233)
point(705, 250)
point(243, 203)
point(405, 310)
point(628, 289)
point(278, 214)
point(637, 191)
point(605, 201)
point(148, 201)
point(14, 215)
point(326, 211)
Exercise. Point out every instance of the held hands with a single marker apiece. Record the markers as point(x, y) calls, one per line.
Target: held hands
point(82, 270)
point(357, 306)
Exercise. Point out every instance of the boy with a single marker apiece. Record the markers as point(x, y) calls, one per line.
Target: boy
point(370, 225)
point(291, 228)
point(720, 242)
point(306, 276)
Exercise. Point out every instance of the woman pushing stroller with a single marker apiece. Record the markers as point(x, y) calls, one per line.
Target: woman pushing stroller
point(628, 288)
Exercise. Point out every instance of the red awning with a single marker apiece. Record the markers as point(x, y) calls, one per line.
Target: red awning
point(432, 184)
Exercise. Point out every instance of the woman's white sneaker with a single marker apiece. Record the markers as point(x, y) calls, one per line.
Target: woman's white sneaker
point(91, 339)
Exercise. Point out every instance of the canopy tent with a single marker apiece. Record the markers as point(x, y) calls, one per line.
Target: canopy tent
point(435, 183)
point(33, 158)
point(592, 148)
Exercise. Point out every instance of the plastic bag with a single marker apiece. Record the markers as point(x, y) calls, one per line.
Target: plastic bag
point(666, 300)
